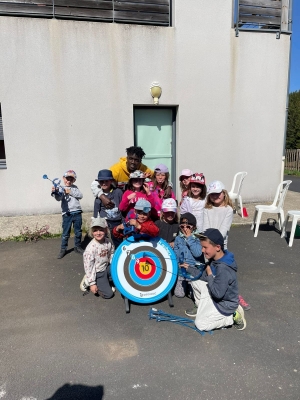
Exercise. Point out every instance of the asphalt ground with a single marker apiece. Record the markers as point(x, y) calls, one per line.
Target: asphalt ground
point(295, 185)
point(57, 344)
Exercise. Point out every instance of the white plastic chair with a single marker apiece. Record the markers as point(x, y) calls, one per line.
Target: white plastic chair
point(275, 208)
point(295, 215)
point(237, 195)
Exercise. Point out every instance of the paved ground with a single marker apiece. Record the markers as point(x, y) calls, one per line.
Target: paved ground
point(295, 185)
point(56, 344)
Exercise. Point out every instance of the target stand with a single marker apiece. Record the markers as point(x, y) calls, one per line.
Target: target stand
point(144, 270)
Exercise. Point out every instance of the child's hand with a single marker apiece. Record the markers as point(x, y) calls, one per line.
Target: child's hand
point(94, 289)
point(147, 188)
point(184, 265)
point(171, 245)
point(120, 228)
point(187, 230)
point(107, 202)
point(53, 189)
point(131, 196)
point(134, 222)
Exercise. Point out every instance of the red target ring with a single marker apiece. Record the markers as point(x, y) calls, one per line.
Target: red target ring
point(145, 268)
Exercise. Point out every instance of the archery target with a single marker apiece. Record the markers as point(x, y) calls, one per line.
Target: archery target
point(144, 271)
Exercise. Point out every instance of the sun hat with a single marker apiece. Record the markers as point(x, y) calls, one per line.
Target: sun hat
point(198, 178)
point(185, 172)
point(189, 217)
point(161, 168)
point(215, 187)
point(169, 205)
point(137, 175)
point(104, 175)
point(71, 173)
point(143, 205)
point(212, 234)
point(101, 222)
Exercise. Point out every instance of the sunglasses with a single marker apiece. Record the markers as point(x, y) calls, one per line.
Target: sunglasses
point(186, 225)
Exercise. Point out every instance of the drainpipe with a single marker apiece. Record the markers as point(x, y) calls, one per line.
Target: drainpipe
point(288, 88)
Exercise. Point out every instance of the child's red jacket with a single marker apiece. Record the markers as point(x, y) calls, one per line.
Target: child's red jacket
point(147, 227)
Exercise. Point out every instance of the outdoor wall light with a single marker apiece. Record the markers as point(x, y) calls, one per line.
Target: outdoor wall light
point(155, 91)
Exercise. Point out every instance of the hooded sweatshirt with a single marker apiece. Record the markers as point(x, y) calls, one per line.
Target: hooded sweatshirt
point(222, 284)
point(121, 174)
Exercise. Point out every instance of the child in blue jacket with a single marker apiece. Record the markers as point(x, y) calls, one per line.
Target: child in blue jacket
point(188, 252)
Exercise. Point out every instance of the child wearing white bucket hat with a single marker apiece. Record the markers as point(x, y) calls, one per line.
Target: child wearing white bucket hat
point(168, 222)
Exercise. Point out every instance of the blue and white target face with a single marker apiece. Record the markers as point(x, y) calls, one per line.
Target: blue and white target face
point(144, 271)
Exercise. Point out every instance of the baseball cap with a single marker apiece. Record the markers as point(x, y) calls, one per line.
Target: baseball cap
point(212, 234)
point(215, 187)
point(104, 175)
point(101, 222)
point(169, 205)
point(185, 172)
point(143, 205)
point(161, 168)
point(198, 178)
point(137, 174)
point(191, 219)
point(71, 173)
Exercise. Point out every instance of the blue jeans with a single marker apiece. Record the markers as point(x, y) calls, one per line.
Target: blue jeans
point(67, 220)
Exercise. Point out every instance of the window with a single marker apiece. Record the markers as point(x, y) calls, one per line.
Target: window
point(147, 12)
point(2, 147)
point(263, 16)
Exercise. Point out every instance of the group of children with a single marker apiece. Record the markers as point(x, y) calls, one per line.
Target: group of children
point(199, 237)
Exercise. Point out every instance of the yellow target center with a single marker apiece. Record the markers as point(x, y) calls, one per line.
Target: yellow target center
point(145, 267)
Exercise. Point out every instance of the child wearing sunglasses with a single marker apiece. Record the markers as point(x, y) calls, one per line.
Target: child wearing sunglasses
point(188, 252)
point(139, 217)
point(137, 189)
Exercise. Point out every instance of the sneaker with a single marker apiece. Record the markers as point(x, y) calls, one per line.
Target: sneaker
point(84, 285)
point(113, 289)
point(78, 250)
point(246, 306)
point(192, 312)
point(62, 253)
point(239, 320)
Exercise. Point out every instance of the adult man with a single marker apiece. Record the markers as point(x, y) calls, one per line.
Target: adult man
point(121, 171)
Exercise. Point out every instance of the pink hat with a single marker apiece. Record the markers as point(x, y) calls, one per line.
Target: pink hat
point(198, 178)
point(186, 172)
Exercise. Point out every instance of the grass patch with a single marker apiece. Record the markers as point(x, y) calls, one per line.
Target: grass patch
point(291, 172)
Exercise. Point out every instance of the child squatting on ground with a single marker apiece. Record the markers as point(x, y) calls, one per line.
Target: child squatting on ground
point(97, 258)
point(71, 211)
point(216, 292)
point(139, 217)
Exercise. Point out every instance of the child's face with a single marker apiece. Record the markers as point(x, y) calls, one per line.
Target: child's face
point(186, 228)
point(141, 216)
point(169, 216)
point(217, 198)
point(209, 250)
point(137, 183)
point(99, 233)
point(160, 177)
point(68, 181)
point(106, 184)
point(185, 180)
point(196, 189)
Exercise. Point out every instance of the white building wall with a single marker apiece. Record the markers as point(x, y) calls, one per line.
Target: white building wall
point(67, 91)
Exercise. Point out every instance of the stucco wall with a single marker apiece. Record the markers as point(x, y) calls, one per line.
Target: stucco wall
point(67, 91)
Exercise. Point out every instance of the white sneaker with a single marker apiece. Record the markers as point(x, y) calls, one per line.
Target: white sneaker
point(84, 284)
